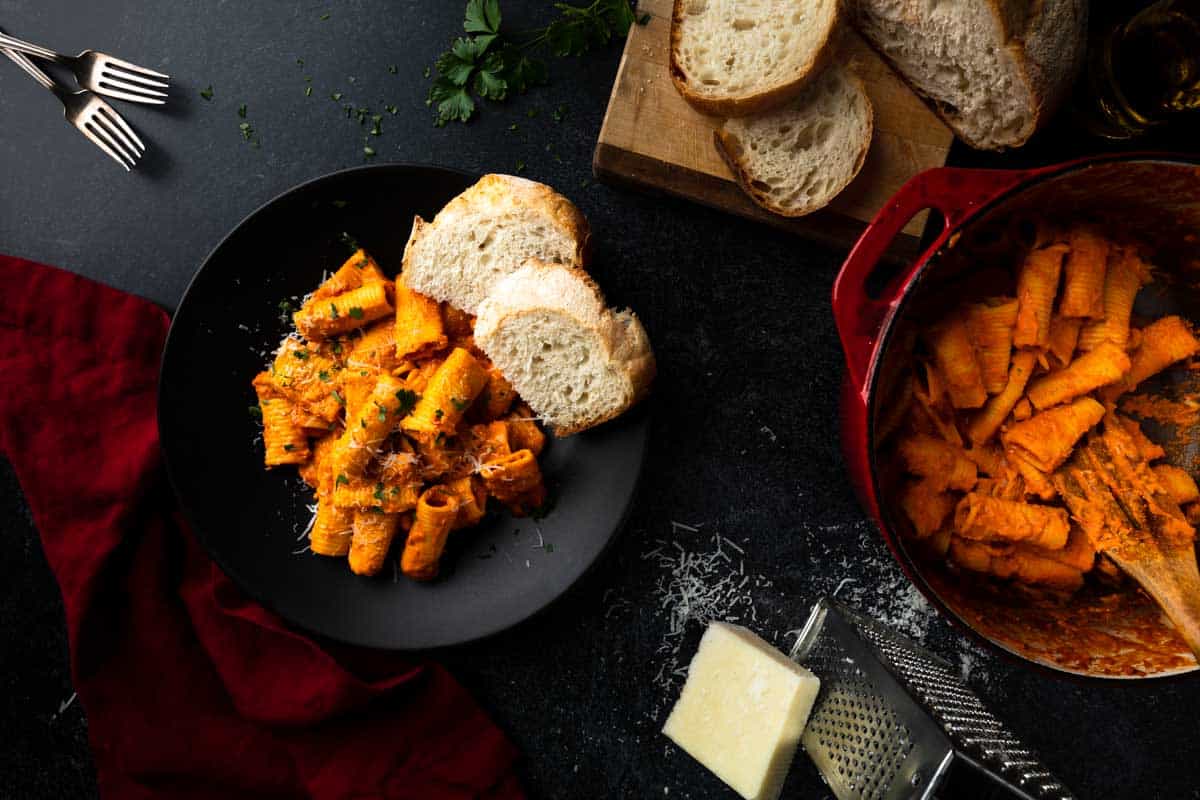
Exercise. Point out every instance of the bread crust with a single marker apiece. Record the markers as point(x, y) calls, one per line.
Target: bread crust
point(621, 333)
point(1047, 43)
point(756, 102)
point(727, 148)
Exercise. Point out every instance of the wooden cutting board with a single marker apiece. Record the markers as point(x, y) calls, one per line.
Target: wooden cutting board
point(652, 139)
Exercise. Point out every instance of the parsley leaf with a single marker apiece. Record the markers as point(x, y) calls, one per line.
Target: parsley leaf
point(491, 64)
point(342, 480)
point(378, 495)
point(207, 92)
point(459, 405)
point(323, 375)
point(408, 401)
point(287, 448)
point(255, 413)
point(381, 410)
point(300, 354)
point(439, 414)
point(337, 396)
point(483, 16)
point(356, 312)
point(333, 312)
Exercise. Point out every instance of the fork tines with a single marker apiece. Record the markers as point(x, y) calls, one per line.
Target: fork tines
point(108, 131)
point(127, 81)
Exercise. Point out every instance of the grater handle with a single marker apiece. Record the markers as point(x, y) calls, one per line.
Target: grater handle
point(968, 778)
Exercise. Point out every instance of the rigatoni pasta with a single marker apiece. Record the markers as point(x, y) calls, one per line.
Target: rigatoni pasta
point(1030, 386)
point(404, 430)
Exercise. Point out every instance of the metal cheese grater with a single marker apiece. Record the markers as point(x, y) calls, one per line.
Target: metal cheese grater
point(894, 721)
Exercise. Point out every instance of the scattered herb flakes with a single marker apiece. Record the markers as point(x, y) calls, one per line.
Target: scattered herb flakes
point(426, 73)
point(207, 92)
point(368, 152)
point(255, 413)
point(300, 354)
point(408, 401)
point(381, 410)
point(335, 96)
point(323, 376)
point(520, 167)
point(333, 312)
point(299, 62)
point(378, 495)
point(513, 127)
point(355, 312)
point(459, 405)
point(338, 397)
point(559, 113)
point(548, 547)
point(285, 307)
point(337, 346)
point(287, 448)
point(242, 111)
point(342, 480)
point(437, 415)
point(339, 203)
point(393, 69)
point(376, 125)
point(352, 79)
point(349, 241)
point(325, 16)
point(308, 91)
point(391, 109)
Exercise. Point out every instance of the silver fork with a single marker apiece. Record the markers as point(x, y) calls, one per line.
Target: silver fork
point(94, 118)
point(101, 73)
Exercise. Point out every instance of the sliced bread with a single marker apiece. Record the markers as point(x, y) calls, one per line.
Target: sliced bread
point(737, 57)
point(575, 362)
point(797, 158)
point(993, 69)
point(487, 232)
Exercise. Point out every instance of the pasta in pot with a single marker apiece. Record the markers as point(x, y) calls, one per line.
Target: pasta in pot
point(402, 428)
point(1050, 473)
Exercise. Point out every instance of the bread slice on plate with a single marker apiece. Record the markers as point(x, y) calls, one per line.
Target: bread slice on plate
point(487, 232)
point(575, 362)
point(797, 158)
point(731, 58)
point(993, 69)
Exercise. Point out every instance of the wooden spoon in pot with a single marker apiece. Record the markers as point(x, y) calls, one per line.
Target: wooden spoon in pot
point(1124, 509)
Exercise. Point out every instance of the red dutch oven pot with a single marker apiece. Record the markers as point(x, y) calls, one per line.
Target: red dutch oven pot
point(1118, 635)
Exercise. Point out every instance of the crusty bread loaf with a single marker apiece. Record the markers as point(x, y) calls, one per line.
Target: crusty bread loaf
point(487, 232)
point(737, 57)
point(797, 158)
point(993, 69)
point(575, 362)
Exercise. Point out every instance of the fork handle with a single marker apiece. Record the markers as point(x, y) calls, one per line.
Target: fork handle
point(24, 63)
point(20, 45)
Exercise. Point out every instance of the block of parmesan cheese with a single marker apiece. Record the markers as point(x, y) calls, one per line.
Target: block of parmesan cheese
point(742, 710)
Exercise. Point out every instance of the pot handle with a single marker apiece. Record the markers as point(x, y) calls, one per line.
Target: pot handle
point(956, 194)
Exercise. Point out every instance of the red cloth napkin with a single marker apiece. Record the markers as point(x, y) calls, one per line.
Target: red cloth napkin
point(190, 689)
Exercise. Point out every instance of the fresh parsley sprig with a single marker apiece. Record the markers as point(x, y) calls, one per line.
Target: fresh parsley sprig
point(491, 64)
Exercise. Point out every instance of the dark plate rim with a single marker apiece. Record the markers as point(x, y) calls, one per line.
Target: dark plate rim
point(639, 415)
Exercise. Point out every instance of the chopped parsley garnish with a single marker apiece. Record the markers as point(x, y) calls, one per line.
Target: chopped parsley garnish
point(300, 354)
point(285, 307)
point(356, 312)
point(368, 151)
point(323, 375)
point(393, 69)
point(342, 480)
point(337, 396)
point(391, 109)
point(287, 448)
point(378, 492)
point(337, 346)
point(242, 111)
point(438, 415)
point(255, 413)
point(333, 312)
point(459, 405)
point(207, 92)
point(363, 263)
point(520, 167)
point(308, 91)
point(548, 547)
point(382, 411)
point(408, 400)
point(325, 16)
point(335, 96)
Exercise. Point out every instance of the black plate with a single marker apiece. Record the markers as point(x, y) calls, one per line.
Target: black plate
point(251, 520)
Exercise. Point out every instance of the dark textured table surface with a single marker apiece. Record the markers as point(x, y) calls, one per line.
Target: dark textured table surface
point(744, 439)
